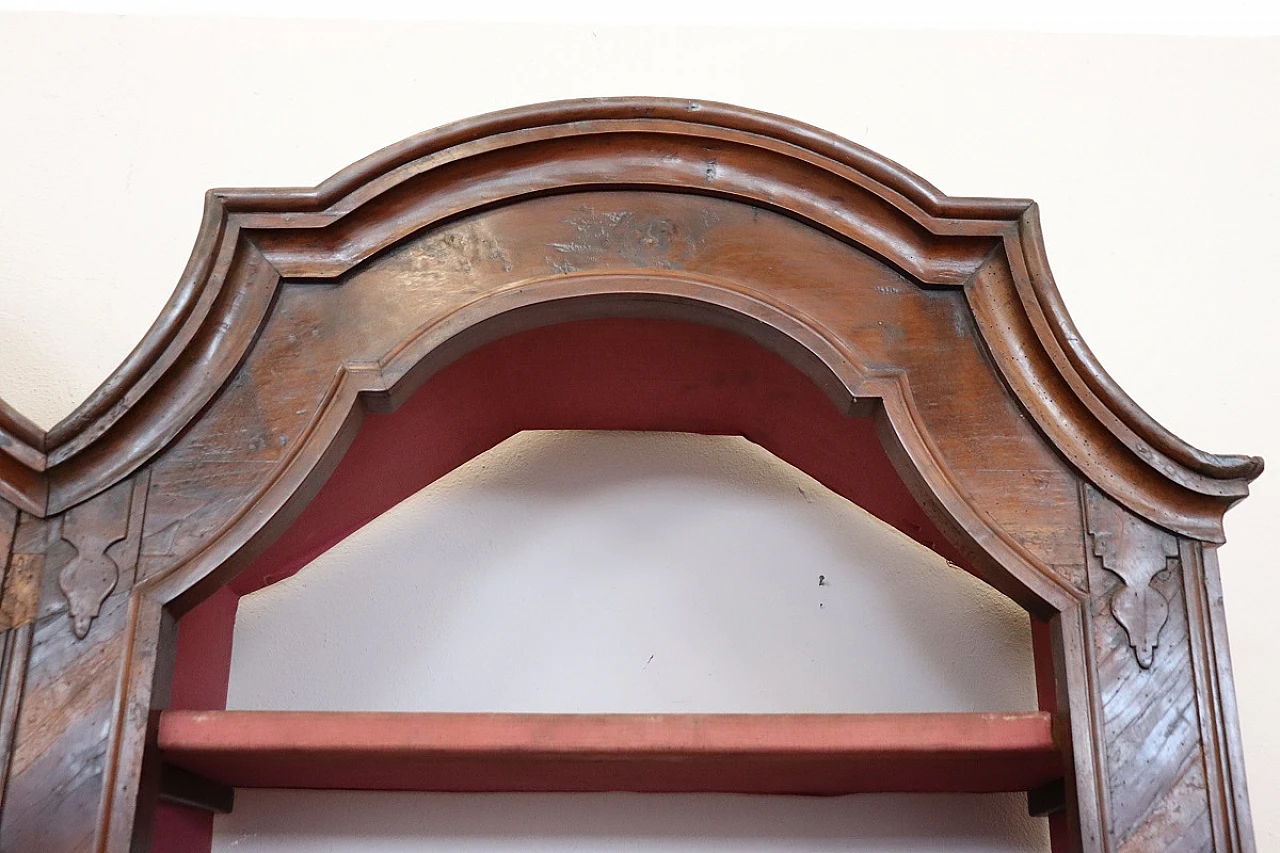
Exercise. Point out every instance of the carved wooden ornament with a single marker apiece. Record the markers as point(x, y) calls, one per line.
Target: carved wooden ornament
point(1136, 552)
point(611, 264)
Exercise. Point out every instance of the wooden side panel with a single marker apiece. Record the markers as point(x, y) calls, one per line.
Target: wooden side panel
point(13, 671)
point(16, 611)
point(1164, 790)
point(82, 568)
point(8, 529)
point(56, 783)
point(1216, 700)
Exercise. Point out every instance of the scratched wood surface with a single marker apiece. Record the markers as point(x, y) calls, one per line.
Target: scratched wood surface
point(935, 319)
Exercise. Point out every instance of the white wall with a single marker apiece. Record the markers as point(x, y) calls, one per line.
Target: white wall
point(1153, 160)
point(616, 572)
point(337, 822)
point(629, 572)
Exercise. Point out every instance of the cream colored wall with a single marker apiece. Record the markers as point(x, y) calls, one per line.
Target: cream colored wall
point(1154, 160)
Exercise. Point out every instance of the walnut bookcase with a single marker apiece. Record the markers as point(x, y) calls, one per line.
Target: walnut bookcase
point(612, 264)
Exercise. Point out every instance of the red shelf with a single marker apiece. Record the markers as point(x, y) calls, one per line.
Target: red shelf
point(732, 753)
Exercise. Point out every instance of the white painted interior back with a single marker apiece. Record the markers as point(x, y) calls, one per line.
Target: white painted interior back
point(624, 572)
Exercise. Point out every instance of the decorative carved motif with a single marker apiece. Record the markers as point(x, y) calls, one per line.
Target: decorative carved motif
point(1136, 552)
point(89, 578)
point(105, 533)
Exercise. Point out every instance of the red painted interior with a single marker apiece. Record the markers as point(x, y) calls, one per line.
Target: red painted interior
point(607, 374)
point(203, 670)
point(178, 829)
point(599, 374)
point(808, 754)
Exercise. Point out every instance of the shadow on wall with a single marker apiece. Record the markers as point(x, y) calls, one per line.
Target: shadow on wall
point(623, 572)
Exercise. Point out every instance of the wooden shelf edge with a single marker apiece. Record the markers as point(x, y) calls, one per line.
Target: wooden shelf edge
point(823, 754)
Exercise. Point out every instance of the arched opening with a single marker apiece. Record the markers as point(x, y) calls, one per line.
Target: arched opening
point(932, 322)
point(609, 572)
point(532, 577)
point(597, 374)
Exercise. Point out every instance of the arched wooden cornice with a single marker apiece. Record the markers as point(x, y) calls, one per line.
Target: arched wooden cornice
point(418, 279)
point(258, 238)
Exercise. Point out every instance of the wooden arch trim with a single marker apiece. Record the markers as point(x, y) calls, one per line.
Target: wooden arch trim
point(938, 316)
point(259, 237)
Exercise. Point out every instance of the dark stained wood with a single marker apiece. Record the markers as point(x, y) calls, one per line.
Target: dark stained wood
point(311, 322)
point(827, 754)
point(57, 772)
point(754, 159)
point(184, 788)
point(16, 607)
point(1136, 553)
point(1216, 698)
point(104, 534)
point(64, 763)
point(1048, 799)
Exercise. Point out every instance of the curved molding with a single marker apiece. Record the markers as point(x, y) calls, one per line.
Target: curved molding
point(252, 240)
point(816, 351)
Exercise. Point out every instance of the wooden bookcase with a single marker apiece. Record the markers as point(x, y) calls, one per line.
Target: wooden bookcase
point(639, 264)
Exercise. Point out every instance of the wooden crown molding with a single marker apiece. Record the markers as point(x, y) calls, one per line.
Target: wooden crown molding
point(679, 146)
point(443, 279)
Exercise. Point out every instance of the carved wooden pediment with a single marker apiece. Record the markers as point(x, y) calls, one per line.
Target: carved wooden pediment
point(621, 263)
